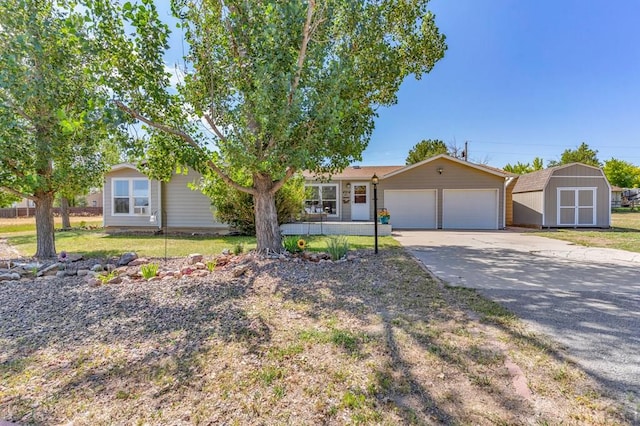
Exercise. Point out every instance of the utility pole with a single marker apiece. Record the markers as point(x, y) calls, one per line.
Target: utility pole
point(465, 154)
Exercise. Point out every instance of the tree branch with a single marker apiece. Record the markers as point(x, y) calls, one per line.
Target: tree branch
point(17, 193)
point(290, 171)
point(214, 127)
point(306, 36)
point(189, 140)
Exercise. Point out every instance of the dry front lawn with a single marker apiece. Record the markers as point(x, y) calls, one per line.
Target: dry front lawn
point(370, 341)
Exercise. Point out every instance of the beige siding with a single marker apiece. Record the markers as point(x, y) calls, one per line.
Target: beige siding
point(509, 202)
point(454, 176)
point(527, 208)
point(137, 221)
point(578, 170)
point(186, 208)
point(582, 177)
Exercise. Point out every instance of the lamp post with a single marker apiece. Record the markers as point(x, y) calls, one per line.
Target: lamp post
point(375, 181)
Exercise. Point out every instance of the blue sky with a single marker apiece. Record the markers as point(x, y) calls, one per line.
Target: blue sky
point(522, 78)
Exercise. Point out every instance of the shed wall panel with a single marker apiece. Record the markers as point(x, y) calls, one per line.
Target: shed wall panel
point(527, 208)
point(603, 206)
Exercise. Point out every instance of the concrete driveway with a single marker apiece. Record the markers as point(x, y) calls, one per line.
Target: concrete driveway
point(588, 299)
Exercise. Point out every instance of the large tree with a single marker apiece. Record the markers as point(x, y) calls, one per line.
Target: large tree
point(426, 148)
point(622, 173)
point(281, 86)
point(54, 114)
point(582, 154)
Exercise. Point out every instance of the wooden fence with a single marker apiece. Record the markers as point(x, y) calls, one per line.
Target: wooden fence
point(14, 212)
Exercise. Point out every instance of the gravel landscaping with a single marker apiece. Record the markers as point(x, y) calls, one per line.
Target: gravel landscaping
point(372, 340)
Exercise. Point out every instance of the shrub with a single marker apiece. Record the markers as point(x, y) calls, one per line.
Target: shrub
point(337, 247)
point(294, 244)
point(238, 248)
point(106, 277)
point(149, 270)
point(237, 208)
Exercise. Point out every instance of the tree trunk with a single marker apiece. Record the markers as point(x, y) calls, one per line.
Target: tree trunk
point(46, 246)
point(64, 212)
point(268, 234)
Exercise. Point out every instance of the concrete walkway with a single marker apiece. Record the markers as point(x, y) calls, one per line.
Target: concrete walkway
point(586, 298)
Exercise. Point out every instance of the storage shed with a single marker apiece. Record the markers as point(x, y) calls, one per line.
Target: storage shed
point(571, 195)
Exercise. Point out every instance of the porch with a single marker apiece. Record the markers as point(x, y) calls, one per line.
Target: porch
point(334, 228)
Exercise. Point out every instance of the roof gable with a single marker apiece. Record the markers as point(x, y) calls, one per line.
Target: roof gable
point(538, 180)
point(482, 168)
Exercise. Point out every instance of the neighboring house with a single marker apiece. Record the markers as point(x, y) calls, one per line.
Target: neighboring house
point(616, 196)
point(570, 195)
point(94, 198)
point(134, 202)
point(441, 192)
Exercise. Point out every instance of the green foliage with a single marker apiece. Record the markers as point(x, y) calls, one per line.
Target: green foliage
point(582, 154)
point(426, 148)
point(622, 173)
point(337, 246)
point(282, 86)
point(523, 168)
point(105, 278)
point(149, 270)
point(238, 248)
point(55, 118)
point(211, 265)
point(7, 199)
point(294, 244)
point(237, 208)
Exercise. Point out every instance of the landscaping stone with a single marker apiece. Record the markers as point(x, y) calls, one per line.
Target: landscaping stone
point(97, 268)
point(115, 280)
point(126, 258)
point(61, 274)
point(48, 270)
point(94, 282)
point(199, 265)
point(139, 261)
point(239, 270)
point(194, 258)
point(110, 267)
point(9, 276)
point(83, 272)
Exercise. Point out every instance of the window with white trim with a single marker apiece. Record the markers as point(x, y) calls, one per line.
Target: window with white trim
point(131, 197)
point(322, 198)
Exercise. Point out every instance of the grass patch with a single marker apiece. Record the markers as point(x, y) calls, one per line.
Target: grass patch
point(624, 233)
point(489, 310)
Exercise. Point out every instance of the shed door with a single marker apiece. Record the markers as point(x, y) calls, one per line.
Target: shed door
point(576, 206)
point(470, 209)
point(411, 209)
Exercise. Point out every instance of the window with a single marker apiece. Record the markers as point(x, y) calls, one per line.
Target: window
point(131, 196)
point(323, 198)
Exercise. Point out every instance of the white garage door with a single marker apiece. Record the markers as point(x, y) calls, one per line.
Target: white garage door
point(470, 209)
point(411, 208)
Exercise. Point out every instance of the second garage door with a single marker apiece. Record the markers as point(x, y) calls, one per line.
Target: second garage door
point(470, 209)
point(411, 209)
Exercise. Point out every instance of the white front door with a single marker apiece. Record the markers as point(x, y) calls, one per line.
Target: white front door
point(360, 201)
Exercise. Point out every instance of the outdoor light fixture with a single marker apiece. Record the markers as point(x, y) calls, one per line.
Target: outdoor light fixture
point(375, 181)
point(440, 169)
point(348, 185)
point(154, 217)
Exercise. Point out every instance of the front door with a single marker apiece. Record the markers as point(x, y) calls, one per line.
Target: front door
point(360, 201)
